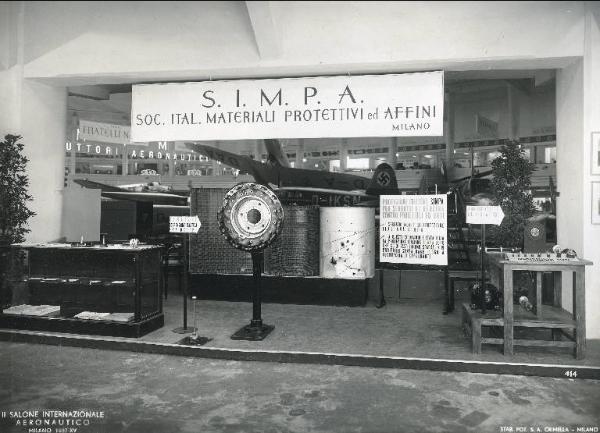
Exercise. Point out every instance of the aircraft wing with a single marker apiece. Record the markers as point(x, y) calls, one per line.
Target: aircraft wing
point(324, 191)
point(154, 197)
point(86, 183)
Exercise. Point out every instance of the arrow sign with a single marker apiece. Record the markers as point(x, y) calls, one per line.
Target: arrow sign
point(184, 224)
point(484, 215)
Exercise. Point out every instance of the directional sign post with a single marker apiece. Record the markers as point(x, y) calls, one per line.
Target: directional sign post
point(484, 215)
point(186, 225)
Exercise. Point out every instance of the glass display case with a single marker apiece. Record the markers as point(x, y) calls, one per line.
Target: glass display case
point(96, 289)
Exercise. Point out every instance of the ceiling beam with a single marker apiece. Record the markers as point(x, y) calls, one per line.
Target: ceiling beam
point(90, 92)
point(267, 39)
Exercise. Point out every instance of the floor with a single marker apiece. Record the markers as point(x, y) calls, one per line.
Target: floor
point(415, 329)
point(169, 394)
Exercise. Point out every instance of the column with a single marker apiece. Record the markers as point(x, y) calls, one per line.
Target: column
point(171, 150)
point(216, 166)
point(124, 161)
point(44, 131)
point(344, 155)
point(514, 109)
point(299, 154)
point(591, 123)
point(570, 165)
point(449, 134)
point(392, 158)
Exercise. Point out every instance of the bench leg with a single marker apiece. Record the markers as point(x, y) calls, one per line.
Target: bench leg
point(476, 337)
point(446, 294)
point(451, 304)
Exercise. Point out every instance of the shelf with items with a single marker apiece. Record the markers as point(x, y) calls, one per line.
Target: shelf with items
point(488, 328)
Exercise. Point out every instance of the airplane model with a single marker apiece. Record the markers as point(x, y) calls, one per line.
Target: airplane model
point(341, 188)
point(145, 192)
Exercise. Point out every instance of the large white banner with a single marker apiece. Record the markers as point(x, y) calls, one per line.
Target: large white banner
point(413, 229)
point(399, 105)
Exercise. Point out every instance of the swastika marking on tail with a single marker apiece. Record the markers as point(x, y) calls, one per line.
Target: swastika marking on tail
point(383, 179)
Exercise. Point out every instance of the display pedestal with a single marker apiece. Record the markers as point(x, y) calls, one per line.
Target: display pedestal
point(191, 341)
point(256, 330)
point(253, 332)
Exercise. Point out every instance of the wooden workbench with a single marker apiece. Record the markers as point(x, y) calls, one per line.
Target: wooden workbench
point(552, 317)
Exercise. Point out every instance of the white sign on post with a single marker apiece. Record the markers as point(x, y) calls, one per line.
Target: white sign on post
point(392, 105)
point(184, 224)
point(413, 229)
point(485, 215)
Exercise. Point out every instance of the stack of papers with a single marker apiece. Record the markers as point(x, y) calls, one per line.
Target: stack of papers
point(34, 310)
point(120, 317)
point(91, 315)
point(113, 317)
point(16, 310)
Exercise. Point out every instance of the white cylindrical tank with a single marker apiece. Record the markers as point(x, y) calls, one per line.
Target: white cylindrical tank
point(347, 245)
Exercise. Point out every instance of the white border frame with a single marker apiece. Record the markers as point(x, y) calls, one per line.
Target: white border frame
point(596, 202)
point(595, 153)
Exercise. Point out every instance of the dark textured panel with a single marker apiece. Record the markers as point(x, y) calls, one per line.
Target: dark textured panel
point(285, 290)
point(296, 251)
point(209, 251)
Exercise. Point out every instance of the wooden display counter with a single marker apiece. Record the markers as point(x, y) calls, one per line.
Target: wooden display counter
point(105, 290)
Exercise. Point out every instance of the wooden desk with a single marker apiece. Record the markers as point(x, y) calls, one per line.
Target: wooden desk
point(550, 317)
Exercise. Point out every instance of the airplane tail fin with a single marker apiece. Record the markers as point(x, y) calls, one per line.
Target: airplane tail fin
point(383, 181)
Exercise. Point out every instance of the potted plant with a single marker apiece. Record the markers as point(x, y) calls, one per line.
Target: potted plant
point(14, 212)
point(511, 187)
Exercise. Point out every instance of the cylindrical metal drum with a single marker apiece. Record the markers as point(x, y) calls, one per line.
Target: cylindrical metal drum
point(347, 247)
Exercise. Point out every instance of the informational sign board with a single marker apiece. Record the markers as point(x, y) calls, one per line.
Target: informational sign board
point(392, 105)
point(184, 224)
point(103, 132)
point(484, 215)
point(413, 229)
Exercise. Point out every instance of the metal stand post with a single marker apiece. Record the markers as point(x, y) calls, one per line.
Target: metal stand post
point(381, 293)
point(257, 330)
point(482, 269)
point(184, 329)
point(194, 339)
